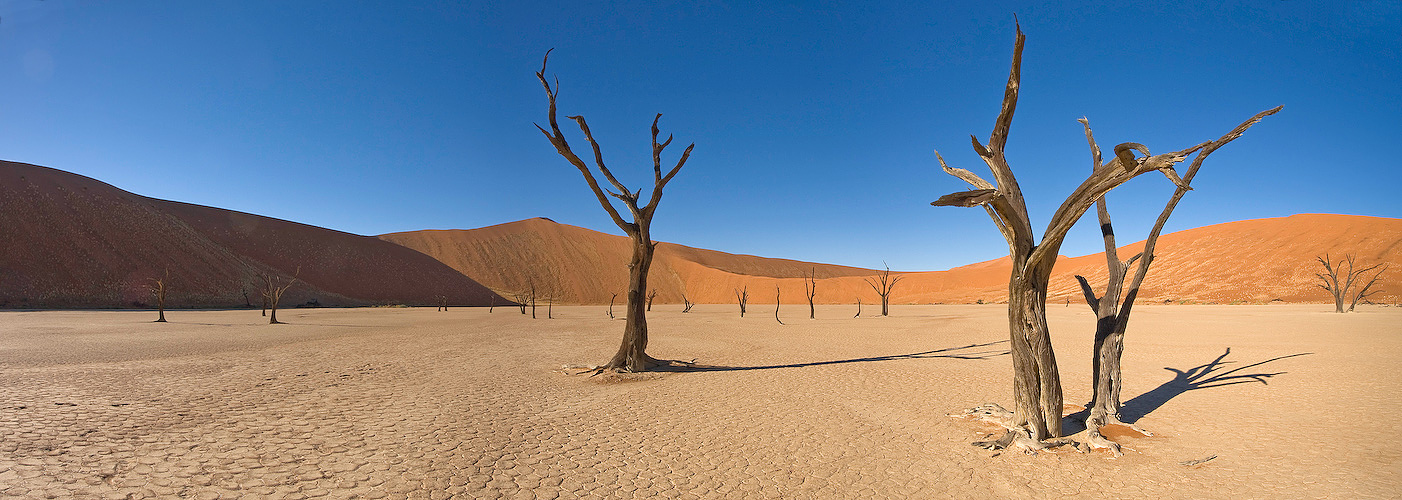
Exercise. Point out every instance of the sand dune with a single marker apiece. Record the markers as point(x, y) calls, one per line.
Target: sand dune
point(1247, 261)
point(72, 241)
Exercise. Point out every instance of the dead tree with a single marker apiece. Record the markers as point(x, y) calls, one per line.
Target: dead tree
point(632, 353)
point(883, 282)
point(611, 301)
point(1036, 415)
point(742, 296)
point(522, 299)
point(491, 301)
point(158, 290)
point(1340, 291)
point(776, 305)
point(273, 288)
point(651, 294)
point(686, 303)
point(442, 303)
point(1112, 314)
point(859, 308)
point(810, 289)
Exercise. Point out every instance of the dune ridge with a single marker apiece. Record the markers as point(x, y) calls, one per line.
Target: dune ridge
point(1250, 261)
point(72, 241)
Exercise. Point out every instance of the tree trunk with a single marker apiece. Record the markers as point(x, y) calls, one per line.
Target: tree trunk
point(885, 306)
point(632, 355)
point(272, 318)
point(1036, 381)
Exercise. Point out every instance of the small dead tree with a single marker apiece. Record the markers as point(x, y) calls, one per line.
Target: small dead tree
point(442, 303)
point(651, 294)
point(1112, 314)
point(742, 296)
point(273, 288)
point(686, 304)
point(883, 282)
point(1340, 291)
point(158, 290)
point(1037, 413)
point(611, 301)
point(632, 353)
point(491, 301)
point(776, 305)
point(810, 289)
point(859, 308)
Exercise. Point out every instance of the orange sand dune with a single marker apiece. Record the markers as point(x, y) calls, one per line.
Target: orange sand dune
point(72, 241)
point(1251, 261)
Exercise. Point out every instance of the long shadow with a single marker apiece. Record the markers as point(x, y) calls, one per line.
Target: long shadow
point(1199, 377)
point(962, 352)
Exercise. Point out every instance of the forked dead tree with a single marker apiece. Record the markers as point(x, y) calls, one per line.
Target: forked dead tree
point(1036, 416)
point(686, 303)
point(1112, 314)
point(1341, 291)
point(273, 288)
point(810, 289)
point(442, 303)
point(158, 290)
point(776, 305)
point(883, 282)
point(632, 353)
point(651, 294)
point(742, 296)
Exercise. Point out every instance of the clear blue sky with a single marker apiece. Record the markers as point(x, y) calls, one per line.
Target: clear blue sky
point(814, 122)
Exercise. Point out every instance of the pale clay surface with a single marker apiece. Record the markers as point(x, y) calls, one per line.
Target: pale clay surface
point(413, 403)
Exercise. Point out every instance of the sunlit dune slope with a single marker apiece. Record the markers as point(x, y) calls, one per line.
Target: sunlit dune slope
point(72, 241)
point(1252, 261)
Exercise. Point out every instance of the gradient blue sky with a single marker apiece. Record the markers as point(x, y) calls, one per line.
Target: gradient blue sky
point(814, 122)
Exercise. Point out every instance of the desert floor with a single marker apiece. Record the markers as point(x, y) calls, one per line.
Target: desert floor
point(383, 402)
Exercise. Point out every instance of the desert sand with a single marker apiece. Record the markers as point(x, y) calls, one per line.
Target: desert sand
point(1251, 261)
point(413, 403)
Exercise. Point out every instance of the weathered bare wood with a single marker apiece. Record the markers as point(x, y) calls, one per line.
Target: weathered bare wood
point(742, 295)
point(651, 294)
point(158, 290)
point(882, 283)
point(1346, 291)
point(632, 353)
point(776, 305)
point(273, 288)
point(810, 289)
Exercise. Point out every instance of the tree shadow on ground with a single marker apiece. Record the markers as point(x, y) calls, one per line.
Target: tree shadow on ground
point(963, 352)
point(1199, 377)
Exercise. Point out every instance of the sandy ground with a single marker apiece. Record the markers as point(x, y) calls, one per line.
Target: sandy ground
point(371, 403)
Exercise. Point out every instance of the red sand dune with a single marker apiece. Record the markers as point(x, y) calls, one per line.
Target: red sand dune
point(72, 241)
point(1250, 261)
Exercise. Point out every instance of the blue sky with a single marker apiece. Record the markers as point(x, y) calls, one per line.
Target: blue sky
point(814, 122)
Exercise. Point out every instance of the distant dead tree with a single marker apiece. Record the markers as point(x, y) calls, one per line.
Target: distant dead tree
point(158, 289)
point(611, 301)
point(1112, 314)
point(651, 294)
point(1037, 414)
point(742, 296)
point(686, 303)
point(632, 353)
point(1341, 291)
point(522, 298)
point(883, 282)
point(859, 308)
point(442, 303)
point(491, 301)
point(810, 289)
point(776, 305)
point(273, 288)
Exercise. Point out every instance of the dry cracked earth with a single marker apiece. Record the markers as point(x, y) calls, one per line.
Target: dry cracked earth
point(413, 403)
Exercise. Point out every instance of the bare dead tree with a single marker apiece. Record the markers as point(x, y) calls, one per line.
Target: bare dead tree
point(491, 301)
point(686, 303)
point(776, 305)
point(273, 288)
point(1112, 314)
point(611, 301)
point(158, 290)
point(742, 296)
point(442, 303)
point(859, 308)
point(883, 282)
point(632, 353)
point(810, 289)
point(1340, 291)
point(1036, 416)
point(651, 294)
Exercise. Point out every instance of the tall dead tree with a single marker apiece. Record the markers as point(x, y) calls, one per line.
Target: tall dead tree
point(742, 296)
point(273, 288)
point(632, 353)
point(1112, 314)
point(651, 294)
point(158, 290)
point(1341, 291)
point(810, 289)
point(776, 305)
point(1037, 394)
point(611, 301)
point(883, 282)
point(859, 308)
